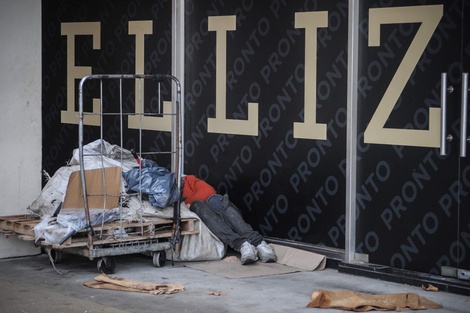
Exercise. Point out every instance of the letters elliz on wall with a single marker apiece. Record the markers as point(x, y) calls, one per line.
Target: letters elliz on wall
point(376, 132)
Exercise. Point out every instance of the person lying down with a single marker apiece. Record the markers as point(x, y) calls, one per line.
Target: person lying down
point(225, 221)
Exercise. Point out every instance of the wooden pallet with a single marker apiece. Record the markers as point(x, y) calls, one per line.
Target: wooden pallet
point(135, 231)
point(19, 224)
point(23, 225)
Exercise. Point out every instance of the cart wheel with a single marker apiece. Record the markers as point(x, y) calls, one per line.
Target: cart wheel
point(56, 256)
point(106, 265)
point(159, 258)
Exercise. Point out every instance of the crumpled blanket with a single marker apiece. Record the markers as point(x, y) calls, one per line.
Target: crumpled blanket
point(363, 302)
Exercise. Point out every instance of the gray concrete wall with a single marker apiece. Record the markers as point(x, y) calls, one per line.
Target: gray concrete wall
point(20, 118)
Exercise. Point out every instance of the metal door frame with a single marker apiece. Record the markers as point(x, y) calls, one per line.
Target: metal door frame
point(351, 131)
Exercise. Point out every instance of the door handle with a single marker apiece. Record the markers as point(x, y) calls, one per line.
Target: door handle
point(444, 91)
point(463, 116)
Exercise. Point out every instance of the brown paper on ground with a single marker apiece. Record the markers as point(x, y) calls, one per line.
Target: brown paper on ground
point(104, 281)
point(302, 259)
point(95, 189)
point(429, 287)
point(362, 302)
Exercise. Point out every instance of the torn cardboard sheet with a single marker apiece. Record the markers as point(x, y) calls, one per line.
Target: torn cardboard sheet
point(362, 302)
point(104, 281)
point(102, 194)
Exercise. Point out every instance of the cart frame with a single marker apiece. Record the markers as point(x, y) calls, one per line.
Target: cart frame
point(153, 237)
point(152, 245)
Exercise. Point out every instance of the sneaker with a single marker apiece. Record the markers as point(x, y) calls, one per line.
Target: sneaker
point(266, 252)
point(248, 253)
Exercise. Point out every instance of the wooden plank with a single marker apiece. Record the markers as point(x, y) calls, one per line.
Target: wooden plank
point(17, 217)
point(20, 224)
point(188, 225)
point(26, 237)
point(23, 229)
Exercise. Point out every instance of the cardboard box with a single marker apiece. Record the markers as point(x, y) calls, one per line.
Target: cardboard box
point(95, 188)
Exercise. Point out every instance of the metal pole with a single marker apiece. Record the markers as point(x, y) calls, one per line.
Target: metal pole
point(351, 131)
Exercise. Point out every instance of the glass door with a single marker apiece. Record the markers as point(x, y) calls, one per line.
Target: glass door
point(408, 190)
point(459, 251)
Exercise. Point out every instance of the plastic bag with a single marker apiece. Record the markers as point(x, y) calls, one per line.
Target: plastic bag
point(155, 181)
point(55, 230)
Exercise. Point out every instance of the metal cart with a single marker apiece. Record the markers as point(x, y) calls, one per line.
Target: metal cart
point(154, 237)
point(156, 246)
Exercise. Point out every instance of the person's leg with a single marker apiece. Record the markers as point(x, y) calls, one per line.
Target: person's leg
point(241, 227)
point(231, 215)
point(216, 222)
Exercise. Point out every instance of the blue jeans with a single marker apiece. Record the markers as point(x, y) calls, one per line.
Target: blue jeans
point(225, 221)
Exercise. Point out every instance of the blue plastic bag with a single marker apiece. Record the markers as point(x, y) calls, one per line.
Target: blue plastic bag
point(155, 181)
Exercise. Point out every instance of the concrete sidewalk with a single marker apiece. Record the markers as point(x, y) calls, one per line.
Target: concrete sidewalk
point(31, 284)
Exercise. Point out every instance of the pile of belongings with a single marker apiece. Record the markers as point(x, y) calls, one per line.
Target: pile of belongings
point(157, 183)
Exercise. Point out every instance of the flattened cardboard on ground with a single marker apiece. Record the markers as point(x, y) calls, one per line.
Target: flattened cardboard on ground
point(302, 259)
point(229, 269)
point(289, 260)
point(97, 198)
